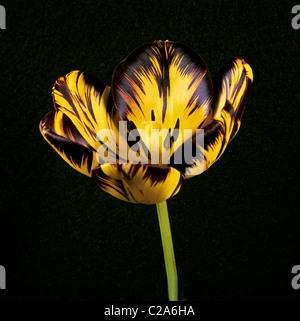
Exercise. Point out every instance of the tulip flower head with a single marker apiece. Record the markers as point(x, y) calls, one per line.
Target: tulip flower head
point(163, 120)
point(127, 137)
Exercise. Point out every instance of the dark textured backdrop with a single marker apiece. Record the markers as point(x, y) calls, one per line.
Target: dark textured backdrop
point(235, 228)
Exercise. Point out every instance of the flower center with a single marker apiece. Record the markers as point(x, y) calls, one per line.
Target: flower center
point(153, 135)
point(148, 127)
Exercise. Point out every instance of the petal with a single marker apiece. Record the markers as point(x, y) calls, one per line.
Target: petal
point(138, 183)
point(62, 135)
point(216, 134)
point(87, 102)
point(163, 82)
point(232, 85)
point(84, 106)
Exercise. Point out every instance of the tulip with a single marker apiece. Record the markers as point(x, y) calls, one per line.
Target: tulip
point(161, 93)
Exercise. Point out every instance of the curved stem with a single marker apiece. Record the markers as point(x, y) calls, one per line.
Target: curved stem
point(166, 238)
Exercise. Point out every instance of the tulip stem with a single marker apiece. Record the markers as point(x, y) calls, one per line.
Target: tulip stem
point(166, 238)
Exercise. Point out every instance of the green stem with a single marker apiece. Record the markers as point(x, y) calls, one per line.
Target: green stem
point(166, 238)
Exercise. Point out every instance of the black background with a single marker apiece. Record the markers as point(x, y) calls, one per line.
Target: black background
point(235, 228)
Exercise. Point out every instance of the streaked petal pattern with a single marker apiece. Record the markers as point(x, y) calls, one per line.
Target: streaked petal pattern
point(232, 85)
point(163, 85)
point(138, 183)
point(88, 104)
point(216, 133)
point(62, 135)
point(161, 89)
point(83, 106)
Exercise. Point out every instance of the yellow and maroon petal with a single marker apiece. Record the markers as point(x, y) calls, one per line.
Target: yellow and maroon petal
point(87, 102)
point(62, 135)
point(216, 138)
point(138, 183)
point(163, 83)
point(232, 85)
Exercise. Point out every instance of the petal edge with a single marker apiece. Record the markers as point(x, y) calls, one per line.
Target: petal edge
point(138, 183)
